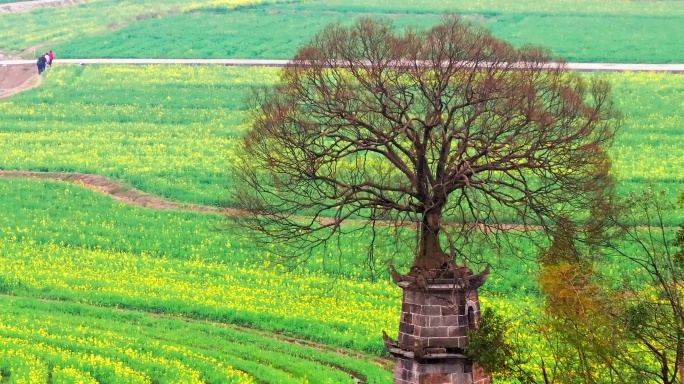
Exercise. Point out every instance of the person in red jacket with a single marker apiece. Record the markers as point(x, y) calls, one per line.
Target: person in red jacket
point(50, 56)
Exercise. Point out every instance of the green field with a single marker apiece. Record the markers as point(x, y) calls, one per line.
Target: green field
point(67, 252)
point(75, 343)
point(169, 130)
point(69, 245)
point(28, 31)
point(94, 290)
point(576, 30)
point(166, 130)
point(274, 31)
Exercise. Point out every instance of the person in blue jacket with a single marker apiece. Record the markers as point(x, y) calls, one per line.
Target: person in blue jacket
point(42, 61)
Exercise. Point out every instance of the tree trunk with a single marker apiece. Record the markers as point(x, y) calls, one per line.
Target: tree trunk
point(679, 363)
point(430, 254)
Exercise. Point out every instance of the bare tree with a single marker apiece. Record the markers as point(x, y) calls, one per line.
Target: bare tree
point(449, 132)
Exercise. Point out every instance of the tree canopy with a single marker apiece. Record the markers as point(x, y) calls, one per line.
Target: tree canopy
point(448, 132)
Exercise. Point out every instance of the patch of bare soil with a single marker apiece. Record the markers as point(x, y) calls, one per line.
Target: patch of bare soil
point(119, 191)
point(26, 6)
point(17, 78)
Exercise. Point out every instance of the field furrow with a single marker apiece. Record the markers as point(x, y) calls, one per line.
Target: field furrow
point(69, 341)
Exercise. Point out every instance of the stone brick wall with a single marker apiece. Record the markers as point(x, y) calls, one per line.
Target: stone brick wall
point(434, 321)
point(433, 331)
point(446, 371)
point(480, 376)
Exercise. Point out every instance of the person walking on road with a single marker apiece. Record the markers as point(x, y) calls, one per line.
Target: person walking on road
point(42, 61)
point(50, 57)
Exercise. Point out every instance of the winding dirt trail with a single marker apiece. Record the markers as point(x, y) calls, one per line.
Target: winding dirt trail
point(119, 191)
point(18, 78)
point(135, 197)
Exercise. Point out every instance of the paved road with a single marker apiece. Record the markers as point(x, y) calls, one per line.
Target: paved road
point(25, 6)
point(674, 68)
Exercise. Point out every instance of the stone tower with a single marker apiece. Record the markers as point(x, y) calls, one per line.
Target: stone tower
point(436, 313)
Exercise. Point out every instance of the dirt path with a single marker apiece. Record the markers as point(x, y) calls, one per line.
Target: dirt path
point(26, 6)
point(131, 196)
point(119, 191)
point(17, 78)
